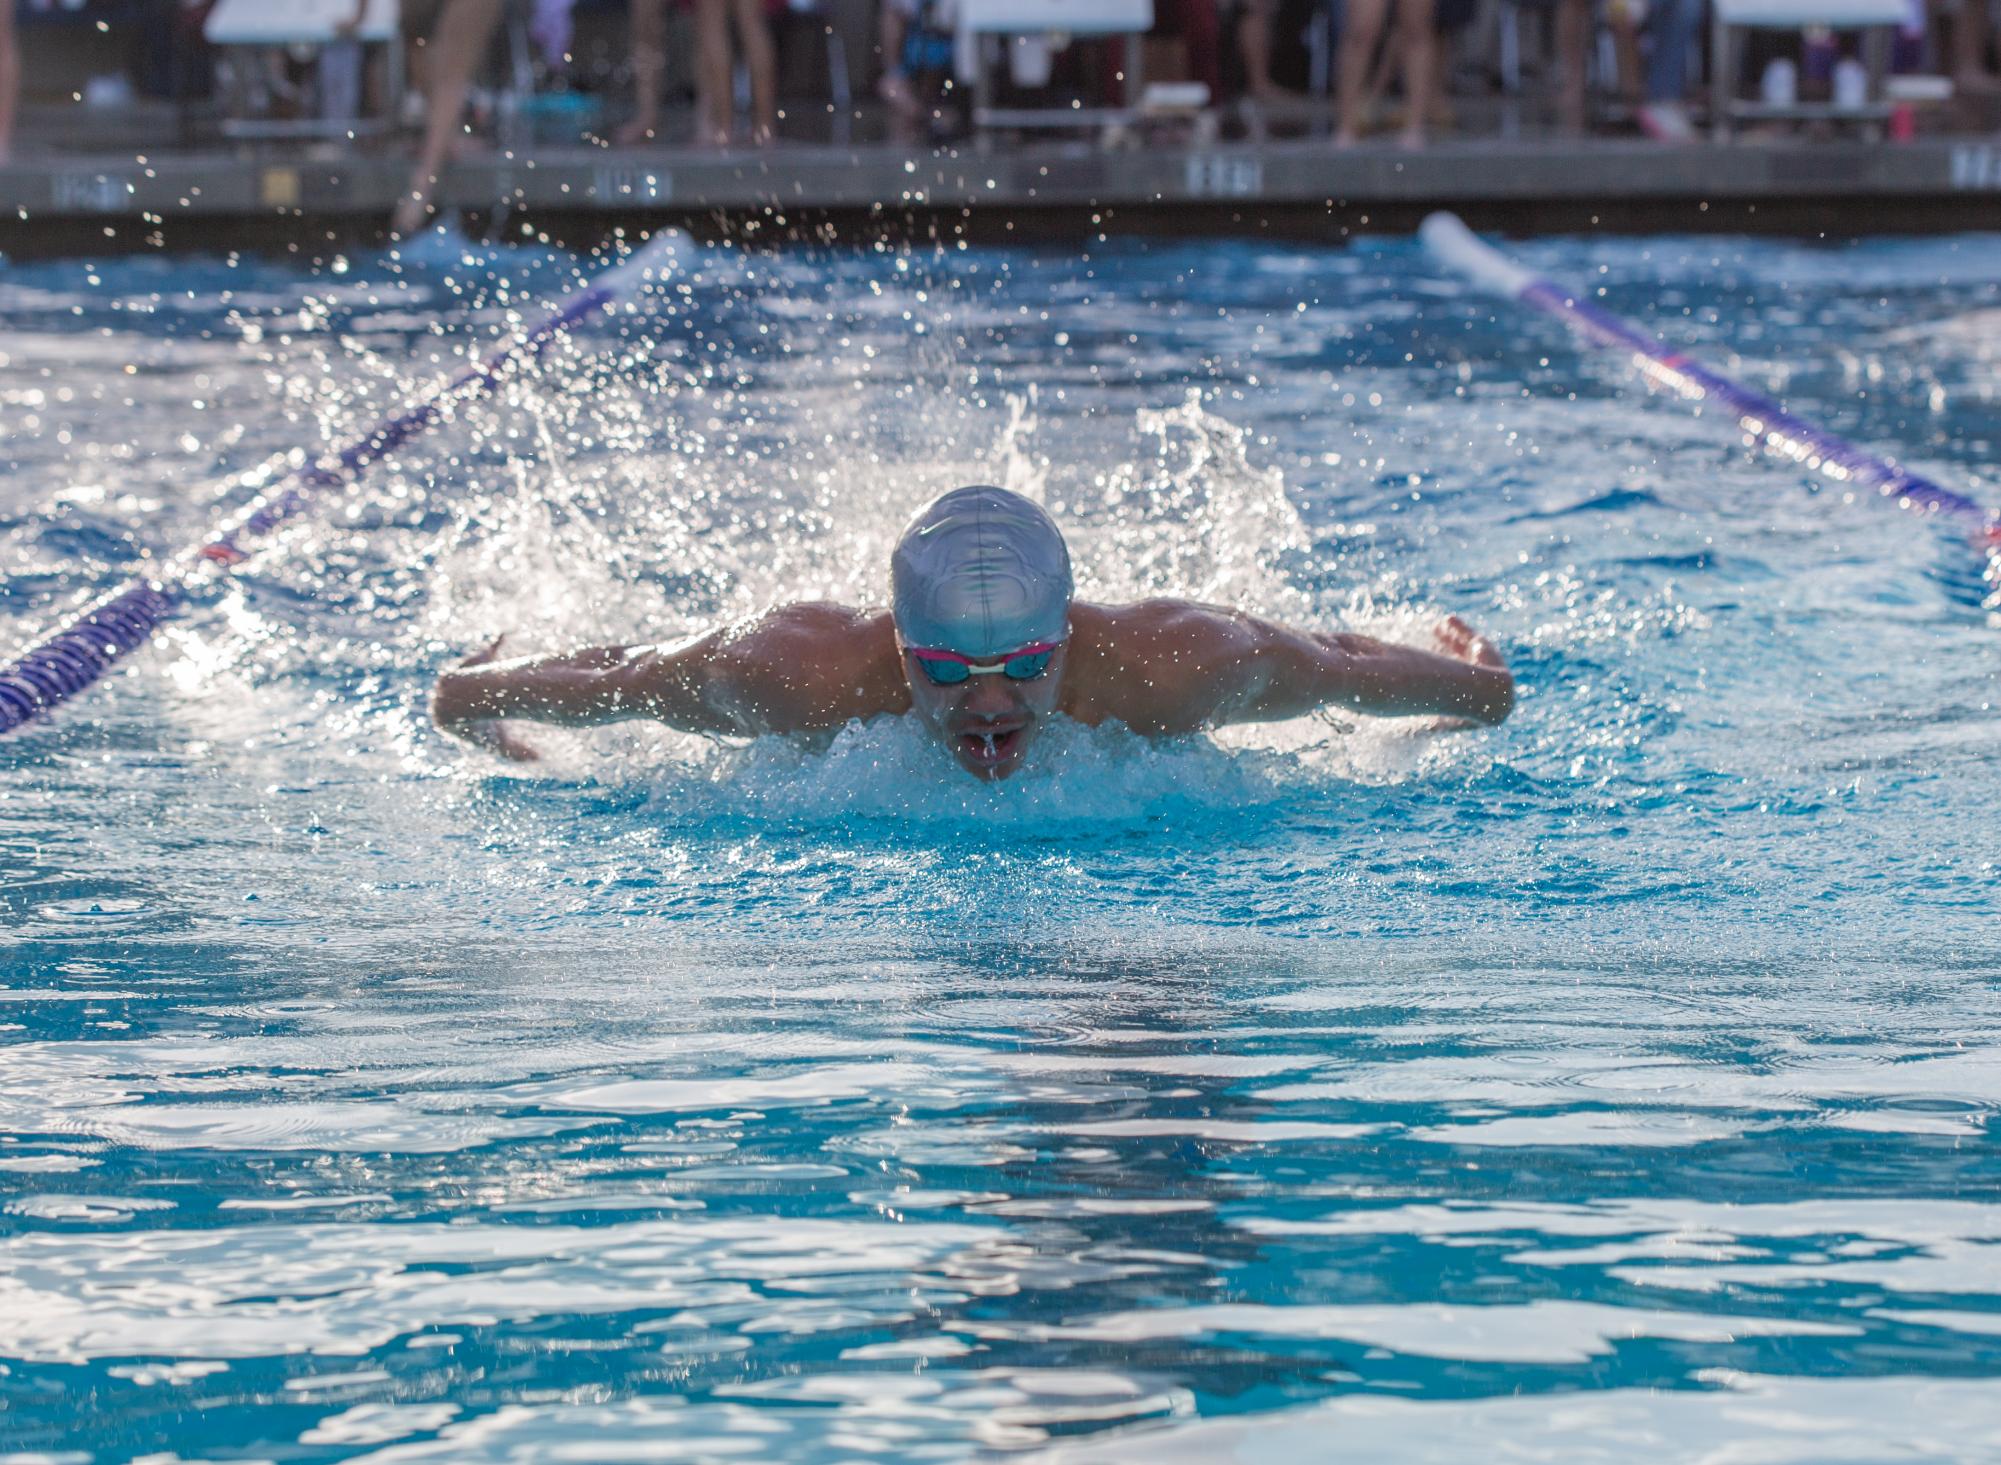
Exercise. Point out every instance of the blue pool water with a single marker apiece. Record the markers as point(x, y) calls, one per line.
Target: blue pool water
point(1618, 1084)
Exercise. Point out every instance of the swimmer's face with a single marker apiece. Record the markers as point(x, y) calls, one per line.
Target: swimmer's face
point(986, 721)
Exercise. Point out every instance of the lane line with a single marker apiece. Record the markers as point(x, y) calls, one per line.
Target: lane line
point(82, 651)
point(1770, 425)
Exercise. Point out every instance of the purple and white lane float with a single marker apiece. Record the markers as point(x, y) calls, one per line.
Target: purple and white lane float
point(82, 651)
point(1768, 424)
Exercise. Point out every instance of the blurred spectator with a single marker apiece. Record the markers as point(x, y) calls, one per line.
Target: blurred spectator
point(1573, 61)
point(1658, 105)
point(10, 79)
point(283, 66)
point(1254, 28)
point(715, 93)
point(1417, 42)
point(341, 63)
point(456, 48)
point(649, 64)
point(1186, 44)
point(1971, 31)
point(1576, 23)
point(552, 28)
point(917, 44)
point(1449, 18)
point(1291, 55)
point(1674, 25)
point(1575, 41)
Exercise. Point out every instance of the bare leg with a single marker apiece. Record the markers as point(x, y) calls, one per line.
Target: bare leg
point(894, 86)
point(1392, 60)
point(753, 33)
point(1417, 21)
point(1573, 37)
point(1384, 69)
point(1441, 91)
point(648, 20)
point(1626, 46)
point(1254, 45)
point(1363, 24)
point(10, 80)
point(1969, 48)
point(456, 49)
point(714, 104)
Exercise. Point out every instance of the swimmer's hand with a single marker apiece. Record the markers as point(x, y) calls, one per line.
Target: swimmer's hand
point(1461, 642)
point(449, 711)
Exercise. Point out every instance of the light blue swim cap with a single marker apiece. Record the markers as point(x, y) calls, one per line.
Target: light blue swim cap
point(981, 572)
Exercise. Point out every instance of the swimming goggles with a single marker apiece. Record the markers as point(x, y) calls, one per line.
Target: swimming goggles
point(949, 668)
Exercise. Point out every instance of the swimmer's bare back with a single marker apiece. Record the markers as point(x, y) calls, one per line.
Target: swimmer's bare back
point(1159, 667)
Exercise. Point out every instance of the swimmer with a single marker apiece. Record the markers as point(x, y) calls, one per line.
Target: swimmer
point(984, 644)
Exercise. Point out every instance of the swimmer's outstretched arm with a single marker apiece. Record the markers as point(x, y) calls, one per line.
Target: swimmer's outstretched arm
point(1205, 667)
point(789, 671)
point(597, 684)
point(1464, 677)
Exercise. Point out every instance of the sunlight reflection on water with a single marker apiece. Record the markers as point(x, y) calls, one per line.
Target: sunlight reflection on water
point(1620, 1081)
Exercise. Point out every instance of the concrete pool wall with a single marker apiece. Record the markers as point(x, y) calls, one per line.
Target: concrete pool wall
point(1304, 189)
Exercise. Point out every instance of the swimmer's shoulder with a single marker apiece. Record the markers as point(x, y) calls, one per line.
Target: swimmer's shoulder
point(821, 665)
point(1138, 662)
point(824, 626)
point(813, 665)
point(1162, 630)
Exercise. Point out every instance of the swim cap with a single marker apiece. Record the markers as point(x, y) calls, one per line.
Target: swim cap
point(981, 572)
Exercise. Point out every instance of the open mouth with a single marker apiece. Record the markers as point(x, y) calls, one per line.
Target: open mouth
point(989, 747)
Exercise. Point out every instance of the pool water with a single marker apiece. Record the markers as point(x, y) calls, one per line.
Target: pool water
point(1620, 1083)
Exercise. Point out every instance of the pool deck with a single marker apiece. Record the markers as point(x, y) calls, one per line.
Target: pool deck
point(1300, 188)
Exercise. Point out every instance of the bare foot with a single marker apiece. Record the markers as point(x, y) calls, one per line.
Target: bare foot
point(638, 130)
point(1666, 122)
point(1346, 137)
point(1412, 139)
point(413, 212)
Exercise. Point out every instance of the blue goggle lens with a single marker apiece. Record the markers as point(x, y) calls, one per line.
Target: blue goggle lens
point(1015, 668)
